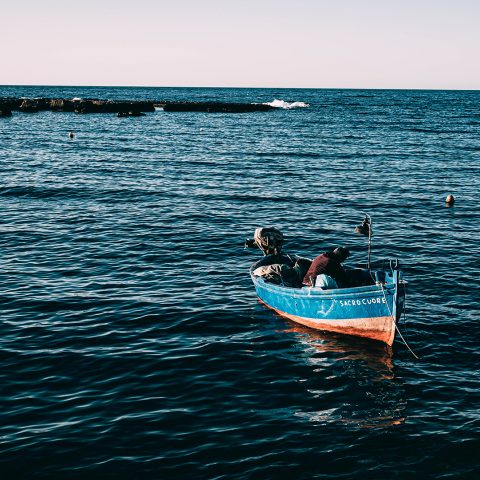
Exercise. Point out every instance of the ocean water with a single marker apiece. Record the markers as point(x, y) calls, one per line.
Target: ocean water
point(132, 344)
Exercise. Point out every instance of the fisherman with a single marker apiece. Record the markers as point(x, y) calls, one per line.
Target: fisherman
point(328, 264)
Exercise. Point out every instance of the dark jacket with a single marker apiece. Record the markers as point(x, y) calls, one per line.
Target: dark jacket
point(326, 263)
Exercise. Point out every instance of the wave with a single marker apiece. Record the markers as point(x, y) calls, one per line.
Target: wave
point(286, 105)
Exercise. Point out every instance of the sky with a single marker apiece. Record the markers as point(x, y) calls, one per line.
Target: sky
point(424, 44)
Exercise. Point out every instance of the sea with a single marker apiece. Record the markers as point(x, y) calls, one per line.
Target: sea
point(132, 343)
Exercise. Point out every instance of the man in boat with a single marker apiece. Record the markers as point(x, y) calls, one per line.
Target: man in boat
point(330, 264)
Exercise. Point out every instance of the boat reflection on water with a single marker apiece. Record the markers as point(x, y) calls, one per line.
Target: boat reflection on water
point(370, 395)
point(375, 355)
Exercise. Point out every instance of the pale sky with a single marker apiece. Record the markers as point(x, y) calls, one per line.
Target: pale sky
point(246, 43)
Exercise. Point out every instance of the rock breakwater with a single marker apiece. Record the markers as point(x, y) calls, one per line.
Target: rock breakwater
point(123, 108)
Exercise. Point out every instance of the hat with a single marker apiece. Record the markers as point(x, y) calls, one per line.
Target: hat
point(341, 253)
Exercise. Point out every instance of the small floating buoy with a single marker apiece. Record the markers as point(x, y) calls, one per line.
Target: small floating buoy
point(71, 135)
point(450, 200)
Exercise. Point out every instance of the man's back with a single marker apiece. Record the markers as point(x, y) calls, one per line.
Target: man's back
point(327, 264)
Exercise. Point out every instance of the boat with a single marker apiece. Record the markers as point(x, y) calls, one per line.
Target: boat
point(371, 311)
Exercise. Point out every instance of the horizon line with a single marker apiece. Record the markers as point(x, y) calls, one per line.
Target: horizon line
point(246, 88)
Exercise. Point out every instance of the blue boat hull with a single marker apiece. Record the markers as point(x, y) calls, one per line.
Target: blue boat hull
point(370, 311)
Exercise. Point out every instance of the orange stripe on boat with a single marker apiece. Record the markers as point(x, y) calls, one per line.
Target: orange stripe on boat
point(376, 328)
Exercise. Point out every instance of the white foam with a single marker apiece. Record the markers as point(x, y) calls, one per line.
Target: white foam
point(287, 105)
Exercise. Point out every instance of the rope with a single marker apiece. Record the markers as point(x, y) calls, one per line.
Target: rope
point(405, 321)
point(396, 326)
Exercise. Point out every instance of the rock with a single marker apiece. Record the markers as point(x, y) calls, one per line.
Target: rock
point(8, 103)
point(108, 106)
point(29, 106)
point(4, 112)
point(62, 105)
point(216, 107)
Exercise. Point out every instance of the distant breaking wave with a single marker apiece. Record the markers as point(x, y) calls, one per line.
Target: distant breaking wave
point(287, 105)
